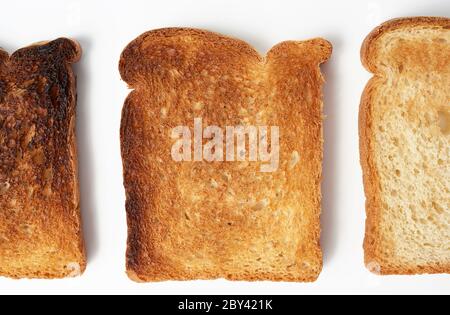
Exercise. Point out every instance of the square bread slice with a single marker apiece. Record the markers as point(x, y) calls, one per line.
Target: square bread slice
point(40, 229)
point(208, 220)
point(405, 146)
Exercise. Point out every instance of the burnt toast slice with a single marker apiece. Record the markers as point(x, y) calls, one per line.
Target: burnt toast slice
point(40, 224)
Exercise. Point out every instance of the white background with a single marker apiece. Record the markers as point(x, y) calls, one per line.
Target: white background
point(105, 27)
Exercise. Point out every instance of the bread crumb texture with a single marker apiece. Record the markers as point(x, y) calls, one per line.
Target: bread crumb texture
point(405, 147)
point(200, 220)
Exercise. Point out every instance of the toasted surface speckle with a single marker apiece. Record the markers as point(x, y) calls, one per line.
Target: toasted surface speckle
point(221, 220)
point(405, 148)
point(40, 230)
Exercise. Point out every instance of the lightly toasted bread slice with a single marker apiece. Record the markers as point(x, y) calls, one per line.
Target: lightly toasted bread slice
point(40, 224)
point(405, 146)
point(208, 220)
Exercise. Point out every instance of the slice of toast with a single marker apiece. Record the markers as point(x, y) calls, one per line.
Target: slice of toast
point(40, 228)
point(405, 146)
point(208, 220)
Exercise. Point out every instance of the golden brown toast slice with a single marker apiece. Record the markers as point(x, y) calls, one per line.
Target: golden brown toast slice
point(40, 228)
point(405, 146)
point(207, 220)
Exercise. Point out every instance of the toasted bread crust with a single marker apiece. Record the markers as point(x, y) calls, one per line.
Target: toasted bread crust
point(368, 49)
point(40, 223)
point(165, 60)
point(374, 259)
